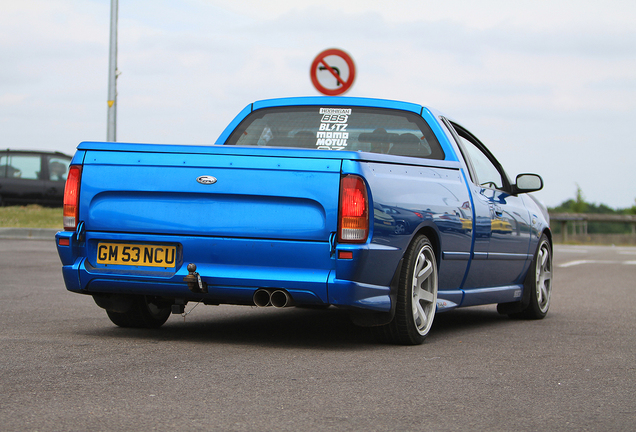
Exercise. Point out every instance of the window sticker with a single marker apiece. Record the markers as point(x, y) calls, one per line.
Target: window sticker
point(332, 133)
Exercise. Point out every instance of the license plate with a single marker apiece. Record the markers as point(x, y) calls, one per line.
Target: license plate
point(136, 254)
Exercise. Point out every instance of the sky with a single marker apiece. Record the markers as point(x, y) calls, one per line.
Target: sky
point(548, 86)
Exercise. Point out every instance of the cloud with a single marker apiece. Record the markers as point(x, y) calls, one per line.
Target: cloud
point(545, 84)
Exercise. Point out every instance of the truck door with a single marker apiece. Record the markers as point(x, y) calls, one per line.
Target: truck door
point(508, 236)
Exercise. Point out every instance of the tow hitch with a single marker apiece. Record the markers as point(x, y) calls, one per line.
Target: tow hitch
point(193, 279)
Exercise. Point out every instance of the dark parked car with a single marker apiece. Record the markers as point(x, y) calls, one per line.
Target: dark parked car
point(32, 177)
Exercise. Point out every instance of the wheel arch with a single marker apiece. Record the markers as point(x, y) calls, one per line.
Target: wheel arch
point(433, 237)
point(548, 233)
point(376, 319)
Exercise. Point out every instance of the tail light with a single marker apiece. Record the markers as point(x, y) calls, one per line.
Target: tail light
point(71, 198)
point(353, 222)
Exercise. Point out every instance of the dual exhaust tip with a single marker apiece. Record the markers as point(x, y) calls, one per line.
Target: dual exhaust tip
point(278, 298)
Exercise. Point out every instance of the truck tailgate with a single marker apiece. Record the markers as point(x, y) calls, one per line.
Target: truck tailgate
point(254, 196)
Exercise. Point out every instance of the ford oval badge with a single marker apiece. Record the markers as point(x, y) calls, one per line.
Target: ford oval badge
point(206, 180)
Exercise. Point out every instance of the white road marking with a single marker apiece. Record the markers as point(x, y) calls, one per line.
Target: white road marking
point(582, 262)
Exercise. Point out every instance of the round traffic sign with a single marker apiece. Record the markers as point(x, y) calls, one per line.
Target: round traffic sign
point(332, 72)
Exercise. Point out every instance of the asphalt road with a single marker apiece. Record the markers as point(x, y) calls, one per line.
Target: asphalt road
point(64, 366)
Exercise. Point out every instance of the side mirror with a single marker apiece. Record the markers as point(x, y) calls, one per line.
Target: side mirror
point(528, 183)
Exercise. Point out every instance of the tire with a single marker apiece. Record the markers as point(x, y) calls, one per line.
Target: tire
point(143, 313)
point(538, 283)
point(416, 296)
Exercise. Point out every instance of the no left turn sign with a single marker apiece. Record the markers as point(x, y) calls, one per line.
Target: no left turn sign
point(332, 72)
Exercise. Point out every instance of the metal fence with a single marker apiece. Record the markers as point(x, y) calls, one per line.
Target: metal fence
point(574, 227)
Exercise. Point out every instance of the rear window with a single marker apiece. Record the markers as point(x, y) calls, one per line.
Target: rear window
point(374, 130)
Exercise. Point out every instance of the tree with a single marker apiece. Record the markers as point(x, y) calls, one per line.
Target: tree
point(580, 206)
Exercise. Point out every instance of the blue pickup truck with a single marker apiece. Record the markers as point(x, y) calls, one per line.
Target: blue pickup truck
point(388, 209)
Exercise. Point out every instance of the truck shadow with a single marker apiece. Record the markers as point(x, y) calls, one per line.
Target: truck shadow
point(467, 320)
point(258, 327)
point(296, 327)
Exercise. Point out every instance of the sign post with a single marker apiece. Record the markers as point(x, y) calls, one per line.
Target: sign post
point(111, 130)
point(332, 72)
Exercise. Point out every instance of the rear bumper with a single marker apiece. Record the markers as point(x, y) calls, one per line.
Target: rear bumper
point(308, 271)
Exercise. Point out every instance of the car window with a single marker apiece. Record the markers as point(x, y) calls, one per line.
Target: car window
point(366, 129)
point(58, 168)
point(23, 166)
point(487, 173)
point(485, 170)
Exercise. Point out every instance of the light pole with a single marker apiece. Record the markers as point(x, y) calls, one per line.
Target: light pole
point(111, 133)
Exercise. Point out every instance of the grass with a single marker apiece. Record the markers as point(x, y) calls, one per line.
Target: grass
point(31, 216)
